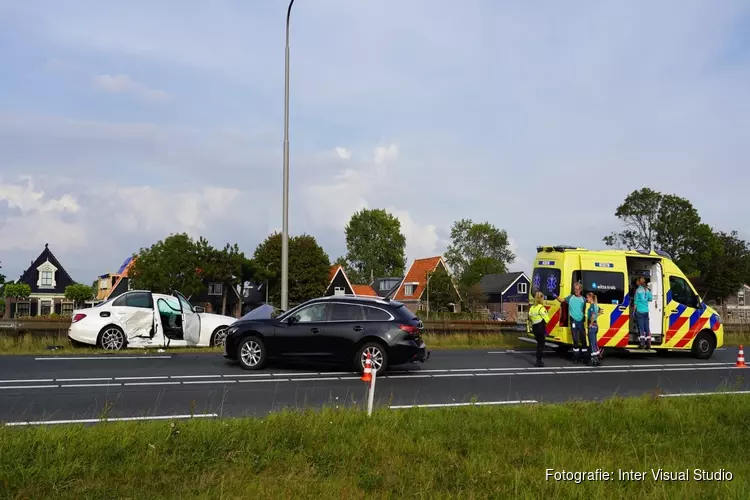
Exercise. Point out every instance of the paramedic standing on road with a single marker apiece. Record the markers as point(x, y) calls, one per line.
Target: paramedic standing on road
point(593, 325)
point(576, 308)
point(642, 298)
point(539, 319)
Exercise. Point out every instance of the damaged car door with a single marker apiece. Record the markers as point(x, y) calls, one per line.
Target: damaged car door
point(134, 312)
point(191, 321)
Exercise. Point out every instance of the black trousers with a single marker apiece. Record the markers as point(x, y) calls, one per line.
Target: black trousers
point(540, 334)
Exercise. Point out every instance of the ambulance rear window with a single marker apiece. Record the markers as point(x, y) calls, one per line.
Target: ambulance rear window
point(547, 281)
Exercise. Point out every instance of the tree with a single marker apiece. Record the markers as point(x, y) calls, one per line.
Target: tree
point(222, 266)
point(476, 248)
point(440, 290)
point(15, 292)
point(2, 276)
point(473, 297)
point(172, 264)
point(375, 245)
point(79, 293)
point(308, 267)
point(638, 214)
point(726, 271)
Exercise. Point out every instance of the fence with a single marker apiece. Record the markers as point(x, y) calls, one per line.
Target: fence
point(59, 327)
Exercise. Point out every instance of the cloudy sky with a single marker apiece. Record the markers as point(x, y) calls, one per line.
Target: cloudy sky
point(122, 122)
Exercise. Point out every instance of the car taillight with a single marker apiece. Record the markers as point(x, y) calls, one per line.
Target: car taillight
point(78, 317)
point(411, 330)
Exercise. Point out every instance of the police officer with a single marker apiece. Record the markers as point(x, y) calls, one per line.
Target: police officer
point(539, 318)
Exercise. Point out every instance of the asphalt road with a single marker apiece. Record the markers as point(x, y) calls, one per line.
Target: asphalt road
point(62, 388)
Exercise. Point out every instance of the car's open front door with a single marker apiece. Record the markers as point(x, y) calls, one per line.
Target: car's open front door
point(191, 321)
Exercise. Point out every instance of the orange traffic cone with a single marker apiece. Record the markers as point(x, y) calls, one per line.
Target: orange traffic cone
point(367, 375)
point(740, 359)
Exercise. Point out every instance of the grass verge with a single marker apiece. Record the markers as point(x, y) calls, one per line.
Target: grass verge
point(476, 452)
point(35, 344)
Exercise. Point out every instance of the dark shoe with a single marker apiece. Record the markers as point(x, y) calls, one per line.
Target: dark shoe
point(539, 364)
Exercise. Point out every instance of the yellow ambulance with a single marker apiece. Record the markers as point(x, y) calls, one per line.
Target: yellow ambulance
point(678, 317)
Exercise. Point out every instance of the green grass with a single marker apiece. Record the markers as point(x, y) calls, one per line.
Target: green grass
point(35, 344)
point(476, 452)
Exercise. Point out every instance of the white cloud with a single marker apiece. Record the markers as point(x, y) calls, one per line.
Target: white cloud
point(421, 241)
point(343, 153)
point(123, 84)
point(27, 199)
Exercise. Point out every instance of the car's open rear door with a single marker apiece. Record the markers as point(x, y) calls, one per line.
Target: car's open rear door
point(191, 321)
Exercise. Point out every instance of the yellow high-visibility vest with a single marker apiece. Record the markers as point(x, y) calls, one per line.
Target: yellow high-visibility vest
point(537, 313)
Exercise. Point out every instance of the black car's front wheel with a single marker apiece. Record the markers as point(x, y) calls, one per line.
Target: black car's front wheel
point(378, 357)
point(251, 353)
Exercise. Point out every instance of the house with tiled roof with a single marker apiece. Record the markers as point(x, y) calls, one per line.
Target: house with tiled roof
point(413, 290)
point(339, 284)
point(47, 279)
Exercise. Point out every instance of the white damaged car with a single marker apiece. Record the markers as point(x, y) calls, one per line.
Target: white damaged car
point(144, 319)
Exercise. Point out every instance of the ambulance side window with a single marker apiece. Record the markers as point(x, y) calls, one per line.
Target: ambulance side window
point(681, 292)
point(608, 286)
point(547, 281)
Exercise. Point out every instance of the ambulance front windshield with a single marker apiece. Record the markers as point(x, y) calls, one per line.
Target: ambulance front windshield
point(547, 281)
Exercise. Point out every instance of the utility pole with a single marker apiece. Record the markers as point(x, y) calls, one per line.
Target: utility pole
point(285, 216)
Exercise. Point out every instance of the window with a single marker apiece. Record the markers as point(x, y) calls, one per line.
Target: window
point(45, 308)
point(375, 314)
point(523, 288)
point(184, 304)
point(410, 289)
point(681, 292)
point(214, 288)
point(608, 286)
point(741, 298)
point(137, 299)
point(346, 312)
point(384, 286)
point(130, 284)
point(339, 291)
point(103, 284)
point(311, 314)
point(47, 279)
point(547, 281)
point(23, 309)
point(67, 309)
point(523, 308)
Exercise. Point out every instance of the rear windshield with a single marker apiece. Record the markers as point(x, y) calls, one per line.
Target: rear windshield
point(547, 281)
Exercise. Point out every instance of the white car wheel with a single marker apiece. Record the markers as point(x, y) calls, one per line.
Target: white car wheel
point(252, 353)
point(219, 338)
point(112, 339)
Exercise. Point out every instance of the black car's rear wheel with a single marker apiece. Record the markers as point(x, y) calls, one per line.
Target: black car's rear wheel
point(378, 357)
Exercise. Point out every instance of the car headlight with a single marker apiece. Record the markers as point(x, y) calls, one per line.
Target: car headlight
point(232, 330)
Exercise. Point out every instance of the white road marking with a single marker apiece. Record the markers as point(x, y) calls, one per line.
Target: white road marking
point(27, 381)
point(505, 369)
point(336, 373)
point(358, 378)
point(433, 371)
point(161, 377)
point(314, 378)
point(495, 374)
point(682, 394)
point(409, 376)
point(119, 419)
point(152, 383)
point(454, 375)
point(90, 385)
point(86, 358)
point(82, 379)
point(195, 376)
point(648, 370)
point(468, 370)
point(248, 375)
point(210, 382)
point(450, 405)
point(293, 374)
point(30, 387)
point(264, 380)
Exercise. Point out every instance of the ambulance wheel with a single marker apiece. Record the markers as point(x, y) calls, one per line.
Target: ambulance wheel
point(704, 345)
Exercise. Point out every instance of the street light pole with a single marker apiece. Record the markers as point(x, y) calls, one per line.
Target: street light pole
point(285, 216)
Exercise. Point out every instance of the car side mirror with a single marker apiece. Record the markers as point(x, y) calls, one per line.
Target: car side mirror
point(292, 320)
point(199, 309)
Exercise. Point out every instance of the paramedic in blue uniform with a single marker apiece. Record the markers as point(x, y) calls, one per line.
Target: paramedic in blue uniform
point(576, 308)
point(642, 298)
